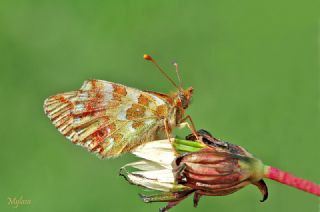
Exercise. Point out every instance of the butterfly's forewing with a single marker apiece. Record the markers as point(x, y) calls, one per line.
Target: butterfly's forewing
point(107, 118)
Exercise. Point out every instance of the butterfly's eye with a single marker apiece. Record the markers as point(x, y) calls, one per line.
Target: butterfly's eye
point(184, 100)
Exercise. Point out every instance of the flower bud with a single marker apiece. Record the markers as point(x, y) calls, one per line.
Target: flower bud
point(206, 166)
point(217, 172)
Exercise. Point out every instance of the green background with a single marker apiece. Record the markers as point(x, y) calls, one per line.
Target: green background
point(254, 66)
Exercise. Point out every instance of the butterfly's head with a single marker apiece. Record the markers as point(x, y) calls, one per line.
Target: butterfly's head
point(184, 97)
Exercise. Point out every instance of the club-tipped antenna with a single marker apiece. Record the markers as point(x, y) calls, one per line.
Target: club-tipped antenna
point(148, 57)
point(178, 74)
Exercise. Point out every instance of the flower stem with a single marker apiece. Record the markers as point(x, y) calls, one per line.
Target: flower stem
point(291, 180)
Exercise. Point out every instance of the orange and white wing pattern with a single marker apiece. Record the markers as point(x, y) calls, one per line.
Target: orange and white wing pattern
point(108, 118)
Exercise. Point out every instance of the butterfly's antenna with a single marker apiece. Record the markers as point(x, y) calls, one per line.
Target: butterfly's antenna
point(178, 75)
point(148, 57)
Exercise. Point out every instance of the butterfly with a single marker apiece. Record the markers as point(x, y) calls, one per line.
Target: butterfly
point(110, 119)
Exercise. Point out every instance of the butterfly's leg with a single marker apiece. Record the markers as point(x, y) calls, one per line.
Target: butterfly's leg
point(166, 129)
point(191, 121)
point(196, 199)
point(191, 127)
point(173, 198)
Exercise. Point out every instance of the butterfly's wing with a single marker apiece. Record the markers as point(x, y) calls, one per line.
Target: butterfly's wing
point(108, 118)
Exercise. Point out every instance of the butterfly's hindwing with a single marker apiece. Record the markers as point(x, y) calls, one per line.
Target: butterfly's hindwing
point(107, 118)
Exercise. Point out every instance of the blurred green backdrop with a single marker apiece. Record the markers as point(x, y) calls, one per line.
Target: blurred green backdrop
point(254, 66)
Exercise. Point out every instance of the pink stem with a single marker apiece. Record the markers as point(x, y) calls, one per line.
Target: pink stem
point(289, 179)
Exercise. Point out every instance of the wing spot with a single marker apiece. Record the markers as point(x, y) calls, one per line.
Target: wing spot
point(137, 124)
point(162, 111)
point(118, 91)
point(83, 96)
point(79, 107)
point(143, 100)
point(135, 111)
point(148, 122)
point(117, 137)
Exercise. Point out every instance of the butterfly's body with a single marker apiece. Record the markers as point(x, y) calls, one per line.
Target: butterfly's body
point(110, 119)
